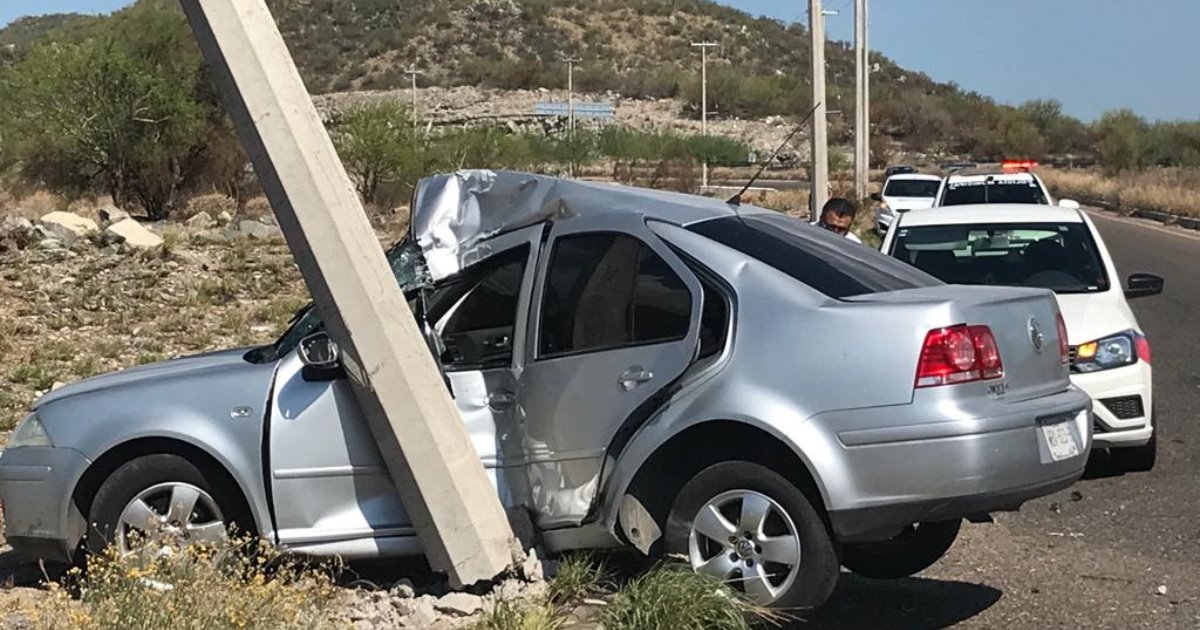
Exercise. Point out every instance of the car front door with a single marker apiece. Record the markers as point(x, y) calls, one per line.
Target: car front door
point(328, 480)
point(614, 322)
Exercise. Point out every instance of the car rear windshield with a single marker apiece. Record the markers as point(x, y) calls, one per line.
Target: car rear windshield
point(1058, 256)
point(828, 263)
point(911, 188)
point(990, 191)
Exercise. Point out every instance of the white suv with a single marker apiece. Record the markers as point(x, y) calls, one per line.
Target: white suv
point(1059, 249)
point(1021, 187)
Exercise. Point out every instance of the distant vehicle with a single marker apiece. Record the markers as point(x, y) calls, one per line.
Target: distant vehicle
point(996, 187)
point(897, 169)
point(904, 192)
point(1058, 249)
point(612, 351)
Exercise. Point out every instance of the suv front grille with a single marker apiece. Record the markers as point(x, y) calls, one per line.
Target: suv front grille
point(1125, 407)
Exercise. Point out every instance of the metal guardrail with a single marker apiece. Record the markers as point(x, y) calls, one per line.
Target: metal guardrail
point(597, 111)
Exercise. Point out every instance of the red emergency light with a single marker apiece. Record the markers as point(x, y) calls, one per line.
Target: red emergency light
point(1016, 166)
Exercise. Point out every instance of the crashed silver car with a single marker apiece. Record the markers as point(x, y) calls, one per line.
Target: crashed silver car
point(668, 372)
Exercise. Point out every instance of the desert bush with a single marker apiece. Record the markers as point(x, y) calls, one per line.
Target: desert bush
point(190, 588)
point(673, 597)
point(1173, 190)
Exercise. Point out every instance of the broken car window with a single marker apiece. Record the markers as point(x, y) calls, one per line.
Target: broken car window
point(477, 311)
point(608, 290)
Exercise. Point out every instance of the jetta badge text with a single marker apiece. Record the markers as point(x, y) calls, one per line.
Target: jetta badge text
point(1035, 334)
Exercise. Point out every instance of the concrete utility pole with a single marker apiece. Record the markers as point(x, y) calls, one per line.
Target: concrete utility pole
point(454, 508)
point(820, 126)
point(413, 72)
point(571, 61)
point(862, 101)
point(704, 46)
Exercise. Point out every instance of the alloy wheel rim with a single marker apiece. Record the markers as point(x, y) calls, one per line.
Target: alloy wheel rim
point(746, 539)
point(172, 513)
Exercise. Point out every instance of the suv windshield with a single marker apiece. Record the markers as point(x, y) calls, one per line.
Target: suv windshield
point(911, 188)
point(1058, 256)
point(830, 264)
point(408, 265)
point(990, 190)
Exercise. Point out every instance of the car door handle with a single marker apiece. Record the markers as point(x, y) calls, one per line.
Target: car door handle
point(501, 400)
point(633, 377)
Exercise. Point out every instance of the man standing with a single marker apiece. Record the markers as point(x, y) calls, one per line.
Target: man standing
point(837, 216)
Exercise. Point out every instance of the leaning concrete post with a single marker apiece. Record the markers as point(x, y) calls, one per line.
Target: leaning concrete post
point(454, 507)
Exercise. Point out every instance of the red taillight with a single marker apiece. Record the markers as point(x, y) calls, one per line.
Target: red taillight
point(958, 354)
point(1143, 347)
point(1064, 348)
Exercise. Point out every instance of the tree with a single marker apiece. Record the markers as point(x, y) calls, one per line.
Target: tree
point(114, 108)
point(1120, 140)
point(1061, 133)
point(378, 144)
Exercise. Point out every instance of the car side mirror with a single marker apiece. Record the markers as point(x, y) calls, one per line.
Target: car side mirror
point(1143, 284)
point(1069, 204)
point(876, 197)
point(319, 352)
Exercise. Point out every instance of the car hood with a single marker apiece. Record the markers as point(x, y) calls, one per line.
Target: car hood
point(1090, 316)
point(171, 369)
point(908, 203)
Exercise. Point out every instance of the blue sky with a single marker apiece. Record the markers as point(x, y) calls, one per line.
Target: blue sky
point(1093, 55)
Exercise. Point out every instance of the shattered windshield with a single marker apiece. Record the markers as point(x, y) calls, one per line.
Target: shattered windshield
point(411, 272)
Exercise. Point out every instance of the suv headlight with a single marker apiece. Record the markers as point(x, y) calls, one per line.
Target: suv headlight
point(30, 432)
point(1110, 352)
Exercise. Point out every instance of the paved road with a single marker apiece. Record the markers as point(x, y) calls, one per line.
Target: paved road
point(1095, 559)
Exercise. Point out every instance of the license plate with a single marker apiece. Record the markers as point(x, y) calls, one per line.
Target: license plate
point(1060, 440)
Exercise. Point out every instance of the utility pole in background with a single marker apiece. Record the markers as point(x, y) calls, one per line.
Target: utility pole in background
point(571, 61)
point(862, 101)
point(455, 510)
point(413, 72)
point(820, 126)
point(704, 46)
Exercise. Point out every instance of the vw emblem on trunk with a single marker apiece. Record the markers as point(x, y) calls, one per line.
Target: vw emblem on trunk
point(1036, 337)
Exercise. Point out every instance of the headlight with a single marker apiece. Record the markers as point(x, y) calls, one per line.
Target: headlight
point(1110, 352)
point(30, 433)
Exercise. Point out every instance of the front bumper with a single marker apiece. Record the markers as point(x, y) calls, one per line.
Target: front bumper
point(1119, 395)
point(990, 456)
point(40, 519)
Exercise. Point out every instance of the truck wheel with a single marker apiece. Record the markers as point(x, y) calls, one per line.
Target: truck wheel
point(163, 495)
point(1137, 458)
point(746, 525)
point(911, 551)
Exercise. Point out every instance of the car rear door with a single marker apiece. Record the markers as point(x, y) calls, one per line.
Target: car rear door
point(614, 322)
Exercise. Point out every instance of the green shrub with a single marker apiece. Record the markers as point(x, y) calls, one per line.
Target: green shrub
point(673, 597)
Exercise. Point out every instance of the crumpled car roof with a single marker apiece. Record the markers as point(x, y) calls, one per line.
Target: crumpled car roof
point(453, 213)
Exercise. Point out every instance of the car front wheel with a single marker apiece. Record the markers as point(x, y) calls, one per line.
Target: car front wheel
point(161, 498)
point(911, 551)
point(748, 526)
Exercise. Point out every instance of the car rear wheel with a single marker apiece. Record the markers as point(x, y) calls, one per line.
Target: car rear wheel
point(164, 499)
point(911, 551)
point(748, 526)
point(1137, 458)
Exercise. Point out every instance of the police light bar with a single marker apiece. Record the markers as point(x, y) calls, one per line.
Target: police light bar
point(1012, 166)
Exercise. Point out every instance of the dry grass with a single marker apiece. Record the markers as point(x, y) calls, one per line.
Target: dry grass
point(1172, 190)
point(35, 205)
point(193, 588)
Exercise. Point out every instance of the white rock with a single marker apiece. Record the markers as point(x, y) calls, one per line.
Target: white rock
point(224, 218)
point(1162, 589)
point(403, 589)
point(461, 604)
point(132, 234)
point(531, 568)
point(423, 613)
point(50, 244)
point(68, 227)
point(200, 221)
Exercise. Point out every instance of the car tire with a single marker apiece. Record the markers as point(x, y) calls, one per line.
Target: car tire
point(909, 552)
point(1137, 458)
point(156, 480)
point(741, 488)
